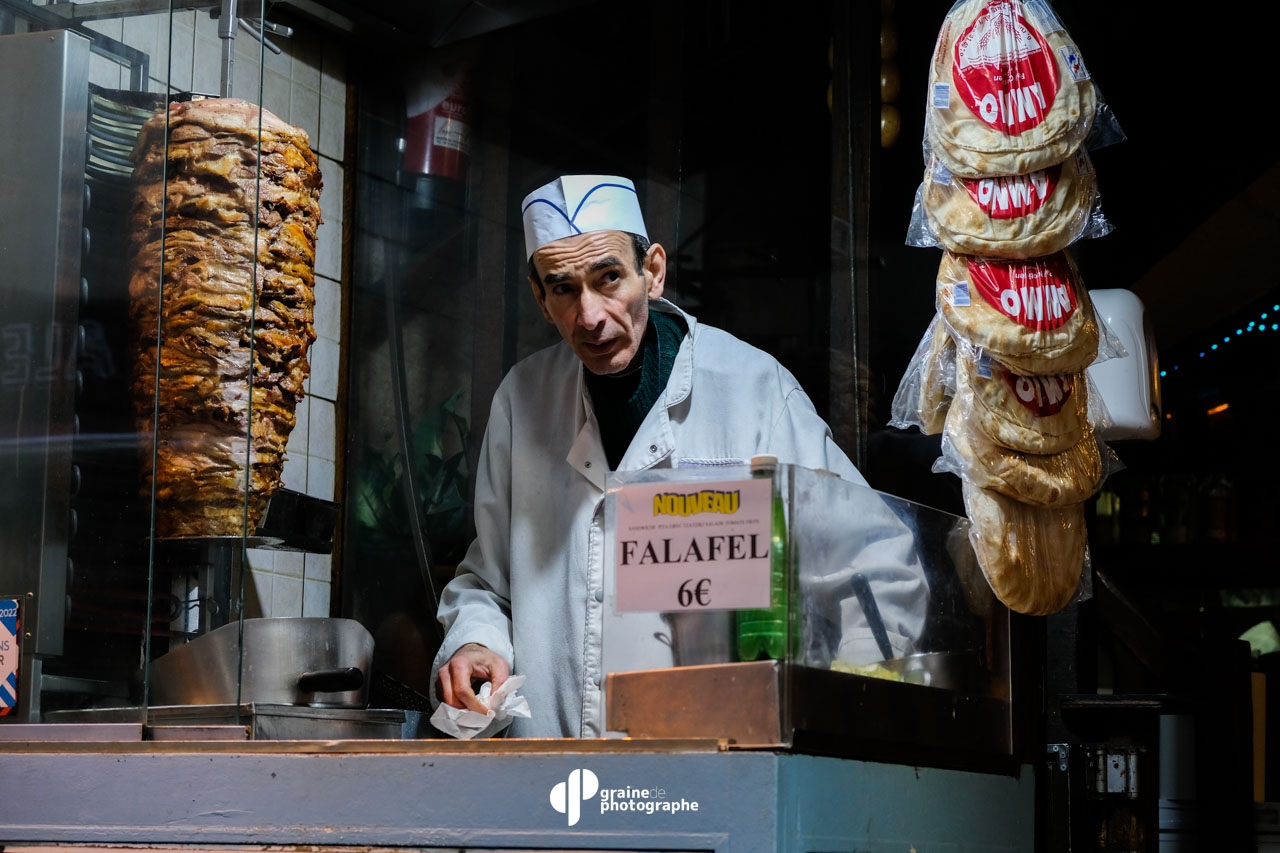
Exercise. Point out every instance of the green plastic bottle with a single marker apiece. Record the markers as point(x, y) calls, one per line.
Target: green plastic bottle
point(762, 634)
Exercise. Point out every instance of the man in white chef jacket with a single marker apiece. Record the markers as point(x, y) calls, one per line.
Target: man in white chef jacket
point(635, 383)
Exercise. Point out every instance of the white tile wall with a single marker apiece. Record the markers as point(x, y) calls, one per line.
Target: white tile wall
point(320, 477)
point(333, 74)
point(145, 30)
point(323, 427)
point(305, 85)
point(316, 587)
point(104, 71)
point(286, 596)
point(308, 57)
point(257, 589)
point(246, 77)
point(323, 381)
point(281, 62)
point(328, 309)
point(182, 48)
point(206, 71)
point(304, 106)
point(301, 435)
point(329, 244)
point(289, 563)
point(333, 123)
point(294, 473)
point(275, 93)
point(317, 567)
point(331, 171)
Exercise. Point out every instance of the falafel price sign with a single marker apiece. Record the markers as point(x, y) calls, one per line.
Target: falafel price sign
point(693, 546)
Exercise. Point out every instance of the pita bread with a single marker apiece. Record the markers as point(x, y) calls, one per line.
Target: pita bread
point(937, 378)
point(1016, 216)
point(1033, 414)
point(1032, 316)
point(1047, 480)
point(1009, 93)
point(1031, 556)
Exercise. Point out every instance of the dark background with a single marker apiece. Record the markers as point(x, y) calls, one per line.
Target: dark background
point(1192, 195)
point(1191, 191)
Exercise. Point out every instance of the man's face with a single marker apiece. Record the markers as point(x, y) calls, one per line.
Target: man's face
point(595, 298)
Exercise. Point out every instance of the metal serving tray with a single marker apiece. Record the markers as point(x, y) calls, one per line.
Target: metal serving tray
point(254, 721)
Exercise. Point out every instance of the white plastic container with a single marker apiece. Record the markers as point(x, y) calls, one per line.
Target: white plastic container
point(1129, 386)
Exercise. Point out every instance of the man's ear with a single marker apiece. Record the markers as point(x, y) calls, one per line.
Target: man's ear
point(655, 269)
point(540, 294)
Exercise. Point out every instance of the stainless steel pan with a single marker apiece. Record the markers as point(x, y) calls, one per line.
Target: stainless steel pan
point(319, 662)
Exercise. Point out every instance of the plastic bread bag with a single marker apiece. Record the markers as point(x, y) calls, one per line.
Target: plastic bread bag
point(1033, 316)
point(1099, 415)
point(1060, 479)
point(1009, 92)
point(1015, 216)
point(1109, 343)
point(926, 387)
point(1033, 557)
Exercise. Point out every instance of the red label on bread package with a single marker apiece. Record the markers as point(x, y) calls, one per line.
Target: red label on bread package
point(1042, 396)
point(1038, 293)
point(1015, 195)
point(1004, 70)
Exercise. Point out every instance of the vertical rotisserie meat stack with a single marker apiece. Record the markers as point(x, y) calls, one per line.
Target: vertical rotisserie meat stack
point(224, 221)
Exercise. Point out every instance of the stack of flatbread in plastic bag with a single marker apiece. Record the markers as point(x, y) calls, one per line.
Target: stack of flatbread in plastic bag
point(1000, 371)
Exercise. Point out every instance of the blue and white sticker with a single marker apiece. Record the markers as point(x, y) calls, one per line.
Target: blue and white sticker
point(1071, 58)
point(1043, 17)
point(941, 96)
point(984, 365)
point(8, 655)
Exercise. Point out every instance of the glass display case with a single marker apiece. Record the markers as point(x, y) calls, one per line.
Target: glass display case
point(870, 628)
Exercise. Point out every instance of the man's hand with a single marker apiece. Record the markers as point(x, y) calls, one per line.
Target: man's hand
point(473, 663)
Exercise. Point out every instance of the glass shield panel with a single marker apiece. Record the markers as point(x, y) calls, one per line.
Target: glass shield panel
point(242, 495)
point(86, 602)
point(883, 583)
point(426, 329)
point(41, 211)
point(177, 347)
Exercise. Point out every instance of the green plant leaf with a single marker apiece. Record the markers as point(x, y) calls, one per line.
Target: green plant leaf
point(441, 483)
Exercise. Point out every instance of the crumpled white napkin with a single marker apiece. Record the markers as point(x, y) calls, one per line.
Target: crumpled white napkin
point(504, 705)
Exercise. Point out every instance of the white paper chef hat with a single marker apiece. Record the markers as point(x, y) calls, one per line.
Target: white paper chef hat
point(577, 204)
